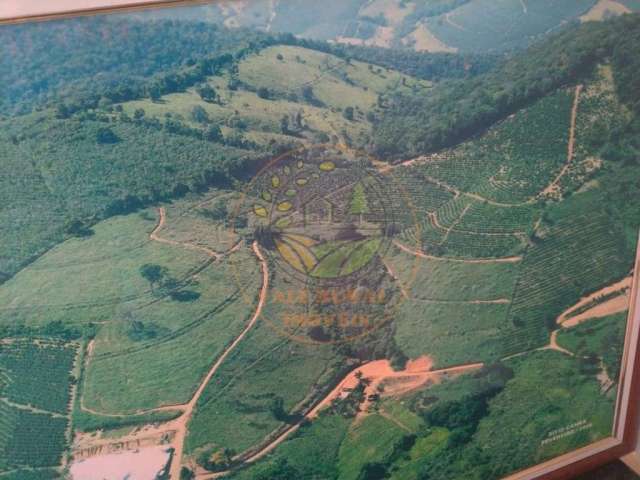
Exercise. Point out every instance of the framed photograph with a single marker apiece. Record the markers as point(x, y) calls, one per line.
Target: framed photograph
point(339, 240)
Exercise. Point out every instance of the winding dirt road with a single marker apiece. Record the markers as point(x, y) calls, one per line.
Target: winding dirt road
point(421, 254)
point(416, 374)
point(615, 305)
point(181, 431)
point(191, 246)
point(178, 428)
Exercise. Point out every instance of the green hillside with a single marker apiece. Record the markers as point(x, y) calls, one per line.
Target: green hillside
point(454, 111)
point(421, 25)
point(92, 162)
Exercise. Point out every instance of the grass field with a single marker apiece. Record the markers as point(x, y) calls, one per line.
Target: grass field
point(166, 369)
point(446, 301)
point(254, 108)
point(443, 331)
point(92, 279)
point(450, 281)
point(266, 366)
point(161, 342)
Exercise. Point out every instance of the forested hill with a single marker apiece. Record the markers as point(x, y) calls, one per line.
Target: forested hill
point(42, 60)
point(84, 59)
point(415, 124)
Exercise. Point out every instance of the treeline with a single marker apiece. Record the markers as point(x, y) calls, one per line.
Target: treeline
point(79, 63)
point(123, 166)
point(424, 65)
point(42, 61)
point(427, 66)
point(160, 84)
point(453, 111)
point(55, 329)
point(624, 143)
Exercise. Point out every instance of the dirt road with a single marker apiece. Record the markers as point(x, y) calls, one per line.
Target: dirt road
point(421, 254)
point(176, 429)
point(182, 423)
point(416, 374)
point(191, 246)
point(552, 188)
point(615, 305)
point(608, 307)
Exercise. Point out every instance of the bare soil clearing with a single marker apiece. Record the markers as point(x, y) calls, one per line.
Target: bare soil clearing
point(609, 307)
point(603, 9)
point(425, 41)
point(416, 374)
point(378, 372)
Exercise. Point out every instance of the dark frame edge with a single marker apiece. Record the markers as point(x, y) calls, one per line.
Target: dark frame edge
point(132, 6)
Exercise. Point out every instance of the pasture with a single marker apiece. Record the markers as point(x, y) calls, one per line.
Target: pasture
point(255, 96)
point(267, 367)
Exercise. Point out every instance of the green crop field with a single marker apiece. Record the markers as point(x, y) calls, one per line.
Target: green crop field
point(37, 375)
point(483, 24)
point(512, 166)
point(35, 395)
point(588, 250)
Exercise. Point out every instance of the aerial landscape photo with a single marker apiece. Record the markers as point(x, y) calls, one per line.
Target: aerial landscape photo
point(337, 240)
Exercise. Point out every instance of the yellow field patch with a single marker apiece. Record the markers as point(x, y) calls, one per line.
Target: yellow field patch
point(303, 239)
point(290, 255)
point(304, 254)
point(327, 166)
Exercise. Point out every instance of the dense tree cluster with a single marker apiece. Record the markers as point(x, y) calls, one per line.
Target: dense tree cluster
point(84, 59)
point(128, 59)
point(454, 110)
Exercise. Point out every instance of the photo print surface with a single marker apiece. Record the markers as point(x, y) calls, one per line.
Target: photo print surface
point(351, 240)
